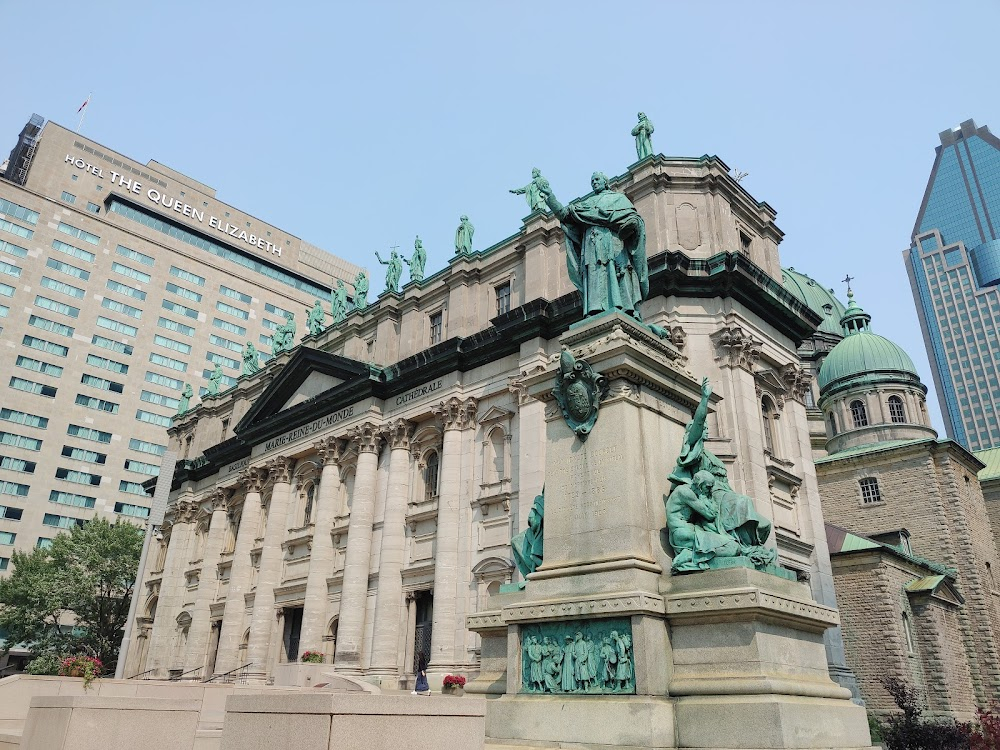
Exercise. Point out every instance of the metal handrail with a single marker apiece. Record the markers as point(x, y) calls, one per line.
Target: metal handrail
point(175, 678)
point(137, 676)
point(225, 676)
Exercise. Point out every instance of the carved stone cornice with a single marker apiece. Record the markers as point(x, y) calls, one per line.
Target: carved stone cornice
point(280, 469)
point(329, 450)
point(736, 347)
point(398, 434)
point(368, 437)
point(456, 413)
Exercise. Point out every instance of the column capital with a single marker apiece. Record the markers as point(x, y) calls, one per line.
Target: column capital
point(219, 500)
point(329, 450)
point(280, 469)
point(186, 511)
point(368, 437)
point(456, 413)
point(398, 434)
point(253, 479)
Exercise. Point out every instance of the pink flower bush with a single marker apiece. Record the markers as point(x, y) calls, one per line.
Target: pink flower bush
point(454, 680)
point(311, 657)
point(86, 667)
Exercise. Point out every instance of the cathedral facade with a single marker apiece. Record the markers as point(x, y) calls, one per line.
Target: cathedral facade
point(357, 496)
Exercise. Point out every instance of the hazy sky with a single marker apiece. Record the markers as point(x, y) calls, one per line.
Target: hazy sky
point(357, 127)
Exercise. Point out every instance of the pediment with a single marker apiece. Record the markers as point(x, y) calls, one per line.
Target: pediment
point(309, 373)
point(495, 414)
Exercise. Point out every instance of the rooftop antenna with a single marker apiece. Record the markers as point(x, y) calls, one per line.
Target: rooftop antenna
point(738, 175)
point(83, 111)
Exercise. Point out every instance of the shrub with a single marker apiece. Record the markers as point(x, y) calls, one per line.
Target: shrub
point(311, 657)
point(454, 680)
point(45, 663)
point(986, 736)
point(909, 730)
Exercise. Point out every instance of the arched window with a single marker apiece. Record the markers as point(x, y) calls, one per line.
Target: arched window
point(897, 413)
point(495, 459)
point(769, 413)
point(307, 510)
point(833, 424)
point(431, 467)
point(870, 492)
point(859, 413)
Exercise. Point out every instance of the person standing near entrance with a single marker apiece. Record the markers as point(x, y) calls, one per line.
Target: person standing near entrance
point(422, 688)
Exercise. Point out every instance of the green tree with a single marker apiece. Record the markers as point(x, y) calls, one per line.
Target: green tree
point(74, 596)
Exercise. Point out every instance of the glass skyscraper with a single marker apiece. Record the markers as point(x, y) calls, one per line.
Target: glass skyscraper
point(954, 267)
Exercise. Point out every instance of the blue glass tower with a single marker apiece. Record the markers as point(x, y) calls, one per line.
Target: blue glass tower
point(954, 267)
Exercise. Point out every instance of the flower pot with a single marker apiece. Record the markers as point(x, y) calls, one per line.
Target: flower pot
point(452, 690)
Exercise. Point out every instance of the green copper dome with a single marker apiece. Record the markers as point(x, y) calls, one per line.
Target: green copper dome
point(816, 297)
point(863, 356)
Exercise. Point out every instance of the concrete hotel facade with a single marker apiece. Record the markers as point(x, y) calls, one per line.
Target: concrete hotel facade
point(118, 284)
point(954, 267)
point(363, 505)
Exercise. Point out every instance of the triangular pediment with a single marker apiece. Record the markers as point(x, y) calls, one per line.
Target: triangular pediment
point(309, 374)
point(495, 414)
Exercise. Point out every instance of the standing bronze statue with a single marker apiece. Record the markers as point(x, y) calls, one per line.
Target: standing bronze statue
point(643, 133)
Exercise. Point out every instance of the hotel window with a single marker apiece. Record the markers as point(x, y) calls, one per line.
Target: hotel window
point(224, 343)
point(130, 291)
point(115, 346)
point(150, 418)
point(896, 411)
point(100, 383)
point(173, 364)
point(218, 359)
point(14, 489)
point(81, 454)
point(230, 310)
point(92, 207)
point(146, 260)
point(146, 447)
point(503, 298)
point(21, 417)
point(68, 197)
point(431, 466)
point(6, 290)
point(107, 364)
point(114, 325)
point(269, 324)
point(859, 413)
point(57, 307)
point(158, 379)
point(177, 346)
point(45, 346)
point(173, 325)
point(45, 542)
point(244, 298)
point(50, 325)
point(180, 309)
point(79, 477)
point(7, 538)
point(127, 509)
point(79, 234)
point(16, 464)
point(20, 441)
point(62, 522)
point(10, 269)
point(5, 561)
point(276, 310)
point(88, 433)
point(225, 325)
point(19, 212)
point(16, 230)
point(63, 288)
point(180, 273)
point(12, 249)
point(30, 386)
point(120, 307)
point(870, 492)
point(99, 404)
point(132, 273)
point(131, 488)
point(36, 365)
point(437, 320)
point(10, 514)
point(159, 399)
point(142, 468)
point(183, 292)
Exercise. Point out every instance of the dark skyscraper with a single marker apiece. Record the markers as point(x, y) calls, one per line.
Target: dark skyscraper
point(954, 267)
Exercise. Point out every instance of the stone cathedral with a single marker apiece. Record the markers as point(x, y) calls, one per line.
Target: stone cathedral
point(357, 496)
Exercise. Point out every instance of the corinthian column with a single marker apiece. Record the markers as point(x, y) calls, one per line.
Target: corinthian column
point(354, 590)
point(200, 613)
point(321, 556)
point(455, 415)
point(269, 576)
point(172, 590)
point(389, 601)
point(233, 623)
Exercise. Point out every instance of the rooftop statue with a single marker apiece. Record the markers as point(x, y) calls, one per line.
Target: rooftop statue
point(605, 248)
point(643, 133)
point(283, 338)
point(418, 261)
point(532, 192)
point(338, 302)
point(316, 321)
point(463, 236)
point(361, 291)
point(707, 520)
point(251, 362)
point(393, 272)
point(184, 402)
point(215, 381)
point(527, 545)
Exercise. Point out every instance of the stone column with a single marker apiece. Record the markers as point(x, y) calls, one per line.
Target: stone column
point(411, 631)
point(321, 556)
point(233, 618)
point(172, 593)
point(455, 415)
point(389, 601)
point(262, 620)
point(207, 585)
point(354, 590)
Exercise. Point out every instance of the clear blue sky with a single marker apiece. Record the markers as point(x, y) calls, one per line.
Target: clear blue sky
point(358, 126)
